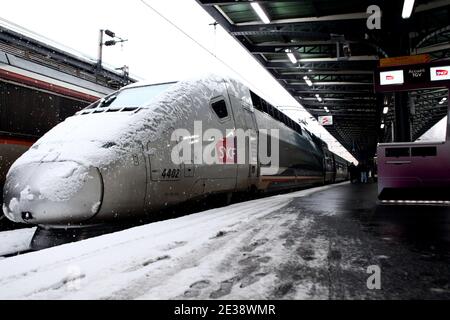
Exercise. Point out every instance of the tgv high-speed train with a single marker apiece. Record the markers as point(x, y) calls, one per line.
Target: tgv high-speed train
point(115, 159)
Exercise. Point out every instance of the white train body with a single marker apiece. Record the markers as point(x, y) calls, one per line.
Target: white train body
point(114, 159)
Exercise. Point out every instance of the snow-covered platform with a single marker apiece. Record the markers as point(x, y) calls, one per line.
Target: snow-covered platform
point(310, 244)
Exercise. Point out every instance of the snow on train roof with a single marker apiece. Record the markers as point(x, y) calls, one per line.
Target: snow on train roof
point(100, 138)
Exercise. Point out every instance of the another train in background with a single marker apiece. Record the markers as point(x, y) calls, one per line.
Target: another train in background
point(40, 86)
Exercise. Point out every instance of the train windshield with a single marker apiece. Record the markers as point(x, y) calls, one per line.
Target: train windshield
point(134, 97)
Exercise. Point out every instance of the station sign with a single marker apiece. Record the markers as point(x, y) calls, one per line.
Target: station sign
point(417, 74)
point(440, 73)
point(411, 77)
point(326, 120)
point(391, 77)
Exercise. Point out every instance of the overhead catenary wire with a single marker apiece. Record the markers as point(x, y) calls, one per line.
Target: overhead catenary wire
point(195, 41)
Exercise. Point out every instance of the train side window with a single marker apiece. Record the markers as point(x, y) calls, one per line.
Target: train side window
point(397, 152)
point(424, 152)
point(220, 108)
point(264, 107)
point(271, 111)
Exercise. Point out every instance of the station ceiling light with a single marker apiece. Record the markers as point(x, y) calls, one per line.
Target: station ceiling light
point(260, 12)
point(382, 126)
point(443, 100)
point(318, 97)
point(385, 110)
point(291, 56)
point(308, 82)
point(408, 6)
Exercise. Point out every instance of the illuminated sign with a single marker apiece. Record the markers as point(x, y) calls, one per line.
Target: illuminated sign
point(440, 73)
point(391, 77)
point(412, 77)
point(326, 120)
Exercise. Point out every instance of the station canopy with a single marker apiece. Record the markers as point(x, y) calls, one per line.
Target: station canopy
point(331, 44)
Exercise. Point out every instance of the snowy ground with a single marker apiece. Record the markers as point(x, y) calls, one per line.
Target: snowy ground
point(229, 253)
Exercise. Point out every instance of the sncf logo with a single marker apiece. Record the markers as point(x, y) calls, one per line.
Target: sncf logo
point(226, 150)
point(389, 77)
point(441, 72)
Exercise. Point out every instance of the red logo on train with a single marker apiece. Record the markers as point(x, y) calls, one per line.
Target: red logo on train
point(389, 77)
point(441, 72)
point(226, 150)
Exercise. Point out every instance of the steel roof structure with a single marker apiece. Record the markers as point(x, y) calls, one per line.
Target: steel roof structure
point(35, 50)
point(337, 51)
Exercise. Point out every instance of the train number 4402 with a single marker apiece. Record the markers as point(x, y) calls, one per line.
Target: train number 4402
point(170, 173)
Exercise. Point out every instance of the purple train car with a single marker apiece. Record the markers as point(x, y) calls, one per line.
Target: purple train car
point(414, 171)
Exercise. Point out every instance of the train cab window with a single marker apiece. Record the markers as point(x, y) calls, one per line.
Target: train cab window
point(220, 108)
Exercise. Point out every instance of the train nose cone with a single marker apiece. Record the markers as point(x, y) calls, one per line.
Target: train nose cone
point(52, 193)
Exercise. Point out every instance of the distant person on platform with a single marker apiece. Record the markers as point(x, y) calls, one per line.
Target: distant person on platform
point(363, 173)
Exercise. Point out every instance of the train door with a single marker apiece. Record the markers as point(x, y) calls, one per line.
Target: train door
point(251, 143)
point(248, 169)
point(328, 166)
point(163, 183)
point(334, 169)
point(220, 170)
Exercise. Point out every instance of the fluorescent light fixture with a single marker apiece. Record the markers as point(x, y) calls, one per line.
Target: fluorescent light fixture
point(308, 82)
point(408, 6)
point(444, 99)
point(292, 57)
point(318, 97)
point(441, 102)
point(385, 110)
point(260, 12)
point(382, 126)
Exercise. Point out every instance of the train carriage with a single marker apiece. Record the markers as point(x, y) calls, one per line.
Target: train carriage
point(115, 159)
